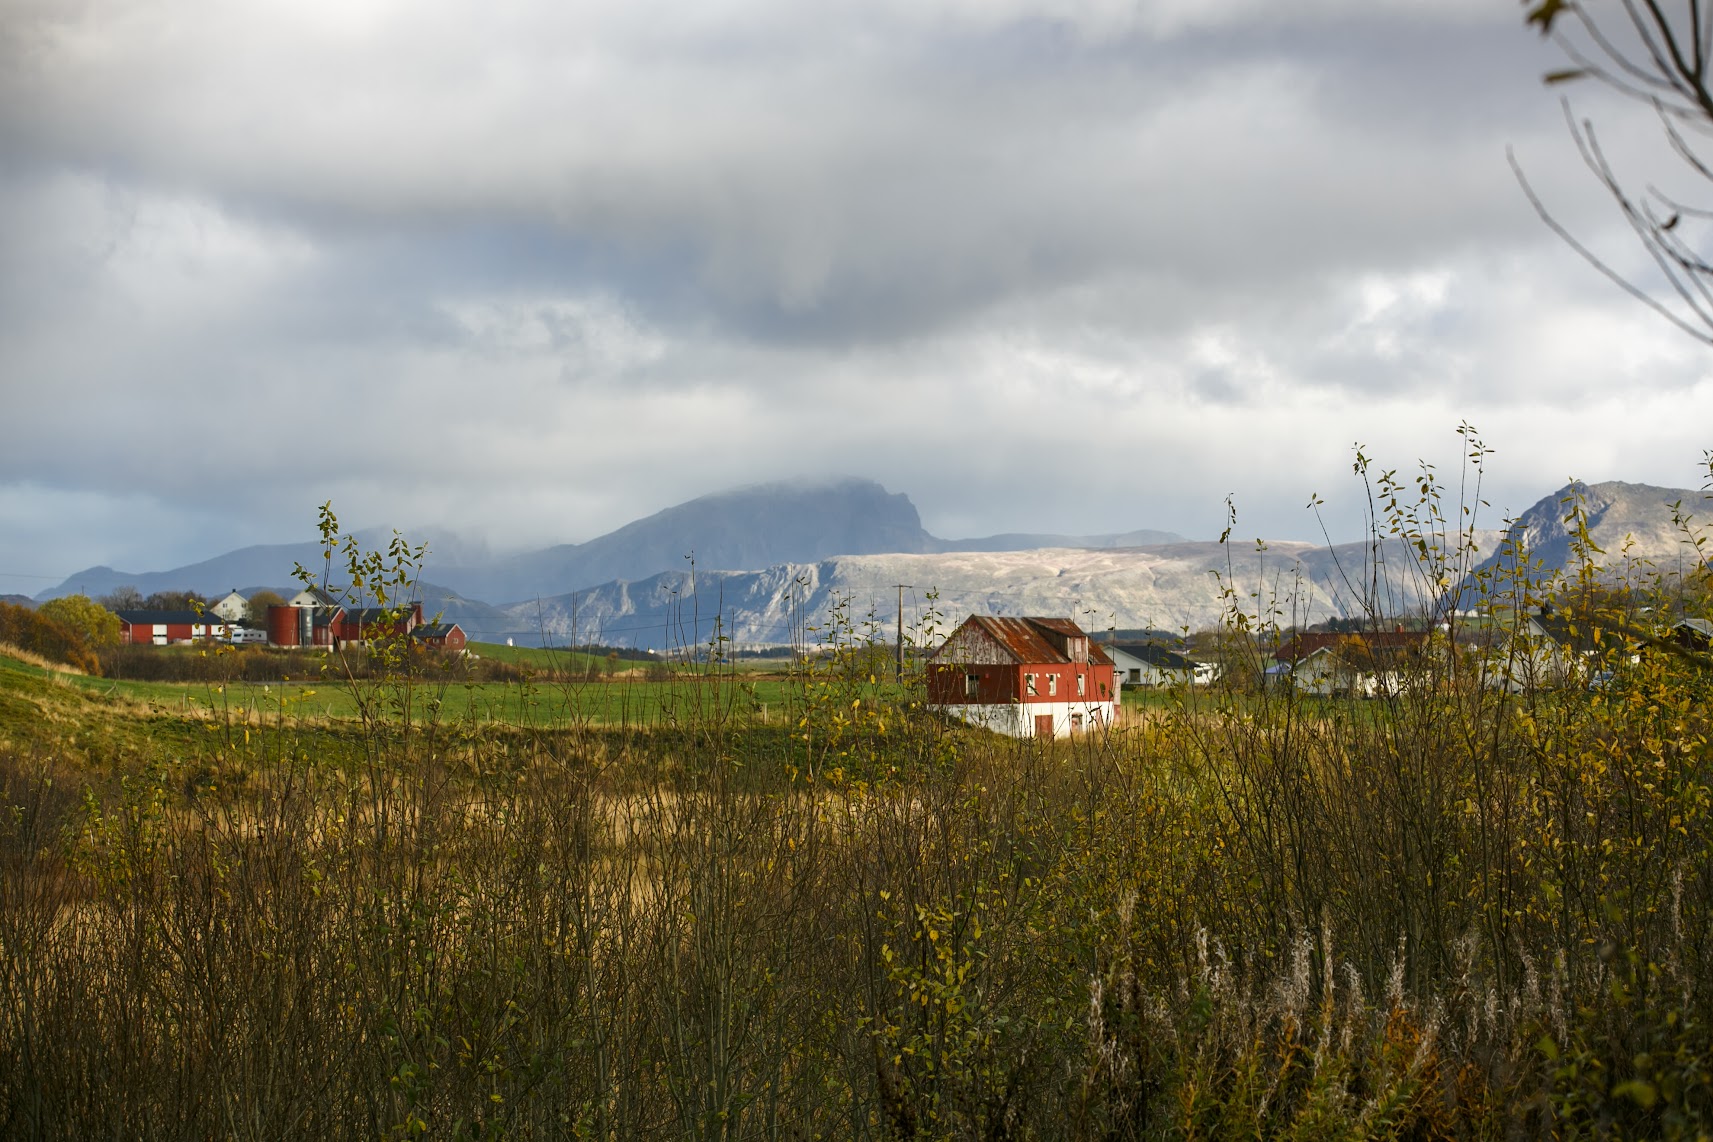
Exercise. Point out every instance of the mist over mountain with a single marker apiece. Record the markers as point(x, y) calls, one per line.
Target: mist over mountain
point(743, 529)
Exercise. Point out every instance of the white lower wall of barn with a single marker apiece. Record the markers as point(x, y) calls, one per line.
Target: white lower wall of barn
point(1017, 719)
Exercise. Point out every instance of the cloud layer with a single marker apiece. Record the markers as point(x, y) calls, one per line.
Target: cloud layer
point(531, 270)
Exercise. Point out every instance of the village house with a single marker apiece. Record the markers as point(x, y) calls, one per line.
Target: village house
point(1692, 634)
point(440, 636)
point(1024, 677)
point(1365, 664)
point(1149, 664)
point(1537, 650)
point(233, 607)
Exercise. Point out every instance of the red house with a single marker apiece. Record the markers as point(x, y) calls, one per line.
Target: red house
point(442, 636)
point(1026, 677)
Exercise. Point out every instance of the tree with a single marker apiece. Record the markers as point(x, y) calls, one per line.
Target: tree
point(1661, 59)
point(175, 601)
point(38, 633)
point(123, 599)
point(89, 620)
point(256, 614)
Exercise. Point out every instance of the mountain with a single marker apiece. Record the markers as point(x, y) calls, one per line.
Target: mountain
point(246, 570)
point(1624, 520)
point(744, 529)
point(1627, 523)
point(748, 529)
point(1166, 587)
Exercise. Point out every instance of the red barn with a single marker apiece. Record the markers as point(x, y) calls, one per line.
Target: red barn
point(332, 625)
point(360, 624)
point(1026, 677)
point(158, 628)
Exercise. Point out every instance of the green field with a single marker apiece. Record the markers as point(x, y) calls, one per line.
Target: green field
point(620, 700)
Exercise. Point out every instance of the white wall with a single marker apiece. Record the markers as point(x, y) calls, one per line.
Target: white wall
point(1017, 719)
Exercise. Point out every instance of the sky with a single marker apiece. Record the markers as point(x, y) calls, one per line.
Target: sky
point(524, 271)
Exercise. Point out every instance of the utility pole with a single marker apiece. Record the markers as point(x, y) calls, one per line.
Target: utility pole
point(900, 667)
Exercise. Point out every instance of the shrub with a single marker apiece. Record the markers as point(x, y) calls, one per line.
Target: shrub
point(39, 634)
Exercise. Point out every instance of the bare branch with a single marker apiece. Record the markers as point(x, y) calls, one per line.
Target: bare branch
point(1703, 335)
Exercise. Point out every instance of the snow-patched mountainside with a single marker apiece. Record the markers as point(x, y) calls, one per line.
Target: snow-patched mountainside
point(1172, 587)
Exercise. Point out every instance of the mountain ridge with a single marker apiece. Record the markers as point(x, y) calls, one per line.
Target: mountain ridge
point(661, 598)
point(747, 528)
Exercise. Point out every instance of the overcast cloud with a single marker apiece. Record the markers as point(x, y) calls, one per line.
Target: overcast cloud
point(530, 270)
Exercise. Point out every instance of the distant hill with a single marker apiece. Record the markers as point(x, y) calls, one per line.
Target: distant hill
point(1626, 522)
point(745, 529)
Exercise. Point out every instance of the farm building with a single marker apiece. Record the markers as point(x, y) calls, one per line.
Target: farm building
point(360, 624)
point(314, 618)
point(442, 636)
point(1025, 677)
point(161, 628)
point(291, 624)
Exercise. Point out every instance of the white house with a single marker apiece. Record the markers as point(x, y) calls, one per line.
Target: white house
point(232, 608)
point(1149, 664)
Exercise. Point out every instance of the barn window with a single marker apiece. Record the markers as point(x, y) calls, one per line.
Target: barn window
point(1052, 685)
point(1079, 685)
point(1029, 685)
point(972, 685)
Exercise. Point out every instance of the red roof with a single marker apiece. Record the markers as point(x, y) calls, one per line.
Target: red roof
point(1032, 639)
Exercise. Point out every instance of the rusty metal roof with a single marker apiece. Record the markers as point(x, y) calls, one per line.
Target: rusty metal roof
point(1031, 639)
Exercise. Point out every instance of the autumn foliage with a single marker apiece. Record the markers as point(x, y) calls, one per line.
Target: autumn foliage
point(42, 635)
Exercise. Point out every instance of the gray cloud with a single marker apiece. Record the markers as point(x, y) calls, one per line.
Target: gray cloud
point(534, 270)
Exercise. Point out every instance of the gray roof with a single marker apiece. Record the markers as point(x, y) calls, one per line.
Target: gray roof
point(1153, 654)
point(175, 618)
